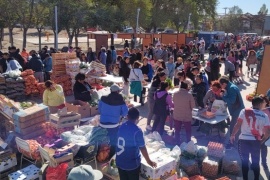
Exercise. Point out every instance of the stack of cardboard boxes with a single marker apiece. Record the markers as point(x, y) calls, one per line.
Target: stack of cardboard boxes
point(28, 122)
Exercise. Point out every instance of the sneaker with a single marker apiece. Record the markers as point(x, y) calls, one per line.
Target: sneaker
point(149, 128)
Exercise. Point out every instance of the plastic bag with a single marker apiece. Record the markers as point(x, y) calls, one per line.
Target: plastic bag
point(175, 153)
point(165, 151)
point(157, 136)
point(57, 173)
point(219, 107)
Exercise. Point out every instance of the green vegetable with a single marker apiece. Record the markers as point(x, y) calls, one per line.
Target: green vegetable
point(170, 82)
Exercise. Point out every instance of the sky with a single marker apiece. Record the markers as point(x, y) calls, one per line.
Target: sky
point(251, 6)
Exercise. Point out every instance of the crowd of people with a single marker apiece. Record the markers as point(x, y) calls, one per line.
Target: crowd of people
point(199, 80)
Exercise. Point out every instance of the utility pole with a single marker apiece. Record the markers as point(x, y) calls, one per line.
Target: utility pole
point(137, 26)
point(56, 28)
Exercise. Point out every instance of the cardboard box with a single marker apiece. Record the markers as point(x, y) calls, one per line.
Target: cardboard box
point(31, 113)
point(79, 107)
point(32, 135)
point(28, 173)
point(166, 167)
point(8, 162)
point(28, 130)
point(62, 122)
point(66, 148)
point(94, 111)
point(66, 159)
point(31, 122)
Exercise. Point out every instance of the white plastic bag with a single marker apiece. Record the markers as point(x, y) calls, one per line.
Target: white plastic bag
point(219, 107)
point(175, 153)
point(157, 136)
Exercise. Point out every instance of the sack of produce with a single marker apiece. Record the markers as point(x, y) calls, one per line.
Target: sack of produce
point(210, 167)
point(190, 166)
point(231, 163)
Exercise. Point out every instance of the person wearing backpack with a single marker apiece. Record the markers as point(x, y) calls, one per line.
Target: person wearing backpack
point(162, 105)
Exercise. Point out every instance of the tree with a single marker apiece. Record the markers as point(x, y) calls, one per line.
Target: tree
point(233, 22)
point(9, 18)
point(41, 16)
point(261, 17)
point(25, 10)
point(263, 10)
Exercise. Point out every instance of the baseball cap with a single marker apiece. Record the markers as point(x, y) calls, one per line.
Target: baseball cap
point(84, 172)
point(115, 88)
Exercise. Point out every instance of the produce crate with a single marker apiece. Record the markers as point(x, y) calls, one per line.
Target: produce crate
point(28, 173)
point(31, 113)
point(31, 122)
point(62, 122)
point(8, 161)
point(31, 135)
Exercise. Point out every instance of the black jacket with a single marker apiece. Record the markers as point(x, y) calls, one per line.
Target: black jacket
point(3, 64)
point(35, 64)
point(80, 92)
point(199, 91)
point(124, 71)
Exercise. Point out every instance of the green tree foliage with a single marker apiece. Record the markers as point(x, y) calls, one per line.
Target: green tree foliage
point(233, 21)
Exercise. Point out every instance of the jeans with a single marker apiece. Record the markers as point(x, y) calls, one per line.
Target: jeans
point(112, 134)
point(264, 153)
point(129, 175)
point(246, 148)
point(231, 75)
point(232, 124)
point(39, 76)
point(159, 123)
point(177, 127)
point(47, 76)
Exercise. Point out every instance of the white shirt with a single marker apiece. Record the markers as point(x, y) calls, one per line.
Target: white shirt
point(253, 123)
point(136, 75)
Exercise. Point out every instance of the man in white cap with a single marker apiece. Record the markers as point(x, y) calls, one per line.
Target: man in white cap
point(84, 172)
point(111, 109)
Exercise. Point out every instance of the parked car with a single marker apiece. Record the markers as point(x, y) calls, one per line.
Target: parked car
point(169, 31)
point(158, 30)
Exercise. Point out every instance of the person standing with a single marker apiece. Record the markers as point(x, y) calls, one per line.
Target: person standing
point(251, 60)
point(255, 129)
point(124, 72)
point(170, 68)
point(36, 65)
point(103, 56)
point(160, 77)
point(214, 66)
point(182, 114)
point(202, 51)
point(162, 104)
point(136, 78)
point(229, 68)
point(232, 96)
point(111, 109)
point(91, 56)
point(130, 142)
point(47, 62)
point(53, 96)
